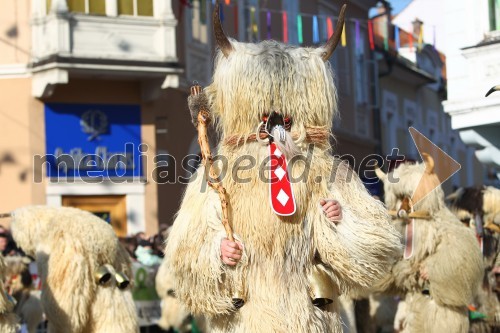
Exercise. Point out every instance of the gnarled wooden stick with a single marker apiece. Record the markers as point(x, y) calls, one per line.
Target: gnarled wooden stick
point(204, 119)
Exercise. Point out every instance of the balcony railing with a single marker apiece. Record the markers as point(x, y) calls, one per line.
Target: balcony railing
point(110, 37)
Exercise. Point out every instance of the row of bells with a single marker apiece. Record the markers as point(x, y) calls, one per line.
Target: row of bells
point(321, 288)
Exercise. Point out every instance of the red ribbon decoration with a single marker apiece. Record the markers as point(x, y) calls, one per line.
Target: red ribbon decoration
point(280, 188)
point(329, 27)
point(370, 35)
point(285, 28)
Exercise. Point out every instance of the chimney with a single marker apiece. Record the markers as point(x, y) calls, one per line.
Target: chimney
point(417, 26)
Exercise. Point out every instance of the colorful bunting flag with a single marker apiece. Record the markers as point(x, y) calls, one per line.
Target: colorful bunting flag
point(315, 30)
point(329, 28)
point(396, 37)
point(316, 36)
point(343, 38)
point(268, 25)
point(285, 28)
point(370, 35)
point(358, 37)
point(255, 28)
point(299, 29)
point(221, 13)
point(386, 36)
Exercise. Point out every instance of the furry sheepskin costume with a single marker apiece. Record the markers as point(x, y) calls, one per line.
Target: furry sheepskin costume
point(479, 208)
point(8, 320)
point(174, 315)
point(442, 248)
point(70, 245)
point(279, 251)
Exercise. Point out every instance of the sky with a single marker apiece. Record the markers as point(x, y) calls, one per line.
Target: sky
point(398, 5)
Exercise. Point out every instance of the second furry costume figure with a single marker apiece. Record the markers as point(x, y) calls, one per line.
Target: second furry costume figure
point(82, 268)
point(287, 91)
point(441, 267)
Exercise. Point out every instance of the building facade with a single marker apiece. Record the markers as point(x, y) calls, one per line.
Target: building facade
point(303, 23)
point(471, 61)
point(88, 89)
point(413, 86)
point(93, 102)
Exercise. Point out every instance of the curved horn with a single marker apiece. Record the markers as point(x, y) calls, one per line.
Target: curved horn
point(495, 88)
point(334, 40)
point(456, 195)
point(380, 174)
point(429, 163)
point(220, 37)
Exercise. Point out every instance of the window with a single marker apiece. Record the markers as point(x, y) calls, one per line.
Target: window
point(292, 8)
point(341, 64)
point(360, 65)
point(389, 121)
point(97, 7)
point(411, 118)
point(361, 79)
point(251, 17)
point(340, 59)
point(135, 7)
point(199, 20)
point(494, 8)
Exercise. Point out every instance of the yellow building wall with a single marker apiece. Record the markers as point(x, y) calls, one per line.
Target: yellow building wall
point(22, 136)
point(15, 38)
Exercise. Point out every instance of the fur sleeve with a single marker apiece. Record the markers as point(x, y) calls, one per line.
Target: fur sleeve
point(455, 269)
point(193, 251)
point(362, 247)
point(62, 269)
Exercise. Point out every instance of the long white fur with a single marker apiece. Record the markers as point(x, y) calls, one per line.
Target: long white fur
point(173, 313)
point(69, 246)
point(491, 205)
point(278, 251)
point(447, 249)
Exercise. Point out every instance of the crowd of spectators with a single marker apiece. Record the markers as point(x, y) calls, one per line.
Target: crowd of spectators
point(7, 245)
point(140, 247)
point(146, 250)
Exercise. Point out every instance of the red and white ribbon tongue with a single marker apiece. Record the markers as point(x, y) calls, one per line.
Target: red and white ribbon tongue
point(409, 239)
point(280, 188)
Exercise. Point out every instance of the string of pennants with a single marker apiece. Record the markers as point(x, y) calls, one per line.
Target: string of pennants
point(328, 21)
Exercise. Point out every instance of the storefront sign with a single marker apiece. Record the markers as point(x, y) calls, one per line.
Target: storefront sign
point(91, 141)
